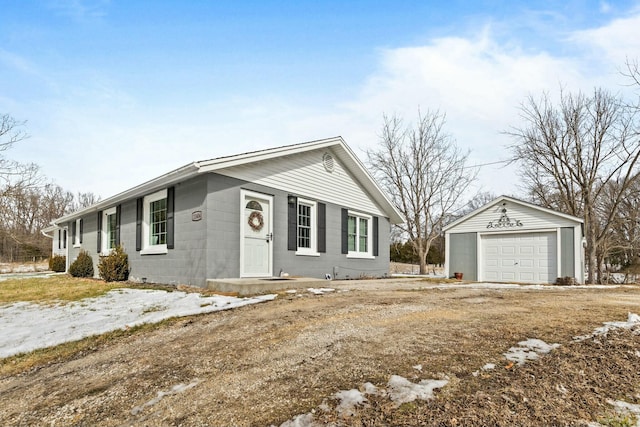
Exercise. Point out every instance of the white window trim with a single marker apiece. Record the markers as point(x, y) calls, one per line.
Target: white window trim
point(105, 226)
point(76, 238)
point(148, 249)
point(369, 253)
point(313, 250)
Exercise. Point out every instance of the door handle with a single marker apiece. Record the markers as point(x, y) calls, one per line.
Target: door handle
point(269, 237)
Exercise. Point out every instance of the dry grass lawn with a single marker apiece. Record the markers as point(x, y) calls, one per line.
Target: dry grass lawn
point(265, 364)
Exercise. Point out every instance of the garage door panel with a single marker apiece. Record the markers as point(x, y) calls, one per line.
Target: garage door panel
point(519, 257)
point(527, 250)
point(508, 250)
point(527, 263)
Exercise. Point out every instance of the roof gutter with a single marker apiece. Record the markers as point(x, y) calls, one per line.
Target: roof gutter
point(169, 178)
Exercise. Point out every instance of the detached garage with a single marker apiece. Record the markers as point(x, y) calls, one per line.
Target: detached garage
point(509, 240)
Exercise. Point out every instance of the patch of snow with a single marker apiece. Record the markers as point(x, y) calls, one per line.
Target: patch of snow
point(370, 388)
point(487, 367)
point(349, 400)
point(633, 320)
point(320, 291)
point(529, 350)
point(179, 388)
point(27, 326)
point(303, 420)
point(292, 291)
point(626, 408)
point(401, 390)
point(418, 368)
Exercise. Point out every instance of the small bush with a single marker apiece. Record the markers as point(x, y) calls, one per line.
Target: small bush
point(58, 263)
point(82, 266)
point(115, 266)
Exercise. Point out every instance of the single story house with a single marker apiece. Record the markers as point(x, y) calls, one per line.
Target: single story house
point(309, 209)
point(509, 240)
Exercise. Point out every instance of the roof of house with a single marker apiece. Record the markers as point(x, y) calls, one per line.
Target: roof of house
point(342, 151)
point(512, 200)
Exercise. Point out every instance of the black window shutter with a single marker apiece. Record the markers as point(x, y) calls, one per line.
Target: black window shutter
point(322, 227)
point(139, 213)
point(81, 224)
point(59, 239)
point(345, 231)
point(73, 232)
point(170, 216)
point(64, 239)
point(118, 214)
point(99, 235)
point(292, 224)
point(375, 236)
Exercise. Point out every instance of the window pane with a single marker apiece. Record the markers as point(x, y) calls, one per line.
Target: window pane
point(362, 247)
point(158, 222)
point(111, 231)
point(351, 233)
point(304, 226)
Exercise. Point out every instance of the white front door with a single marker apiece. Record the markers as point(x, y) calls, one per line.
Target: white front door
point(256, 230)
point(521, 257)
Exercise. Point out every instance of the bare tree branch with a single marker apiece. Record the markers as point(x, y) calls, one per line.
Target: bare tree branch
point(424, 172)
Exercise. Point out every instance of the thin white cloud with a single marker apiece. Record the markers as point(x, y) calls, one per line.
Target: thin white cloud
point(614, 42)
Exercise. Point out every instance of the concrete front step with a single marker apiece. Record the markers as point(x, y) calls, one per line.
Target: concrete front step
point(263, 285)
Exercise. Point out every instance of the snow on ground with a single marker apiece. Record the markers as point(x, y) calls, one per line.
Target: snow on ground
point(400, 390)
point(320, 291)
point(529, 350)
point(28, 326)
point(178, 388)
point(633, 320)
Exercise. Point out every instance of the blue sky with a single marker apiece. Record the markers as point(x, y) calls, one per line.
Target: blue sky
point(119, 92)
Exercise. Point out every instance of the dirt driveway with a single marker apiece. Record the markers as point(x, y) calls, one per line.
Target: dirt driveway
point(265, 364)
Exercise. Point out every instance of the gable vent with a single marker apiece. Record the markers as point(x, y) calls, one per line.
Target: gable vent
point(328, 162)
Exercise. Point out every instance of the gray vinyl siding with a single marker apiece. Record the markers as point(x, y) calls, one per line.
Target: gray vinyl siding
point(463, 254)
point(304, 171)
point(210, 248)
point(567, 254)
point(186, 263)
point(223, 236)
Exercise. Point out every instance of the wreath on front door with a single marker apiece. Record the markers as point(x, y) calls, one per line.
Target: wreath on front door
point(256, 222)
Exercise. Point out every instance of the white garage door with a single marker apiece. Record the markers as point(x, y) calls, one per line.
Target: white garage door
point(526, 257)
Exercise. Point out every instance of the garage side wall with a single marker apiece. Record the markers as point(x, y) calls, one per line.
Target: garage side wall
point(567, 254)
point(463, 254)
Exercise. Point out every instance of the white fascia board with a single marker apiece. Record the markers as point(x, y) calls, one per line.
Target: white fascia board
point(257, 156)
point(346, 156)
point(162, 181)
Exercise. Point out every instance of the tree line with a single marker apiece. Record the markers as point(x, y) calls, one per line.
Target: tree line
point(28, 202)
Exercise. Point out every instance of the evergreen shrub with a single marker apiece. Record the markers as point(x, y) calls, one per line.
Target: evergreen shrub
point(82, 266)
point(58, 263)
point(115, 266)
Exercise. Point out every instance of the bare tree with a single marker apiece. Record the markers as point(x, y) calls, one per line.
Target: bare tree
point(81, 201)
point(424, 172)
point(570, 152)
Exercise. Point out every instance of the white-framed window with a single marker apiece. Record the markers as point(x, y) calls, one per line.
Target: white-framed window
point(307, 229)
point(154, 223)
point(109, 231)
point(359, 235)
